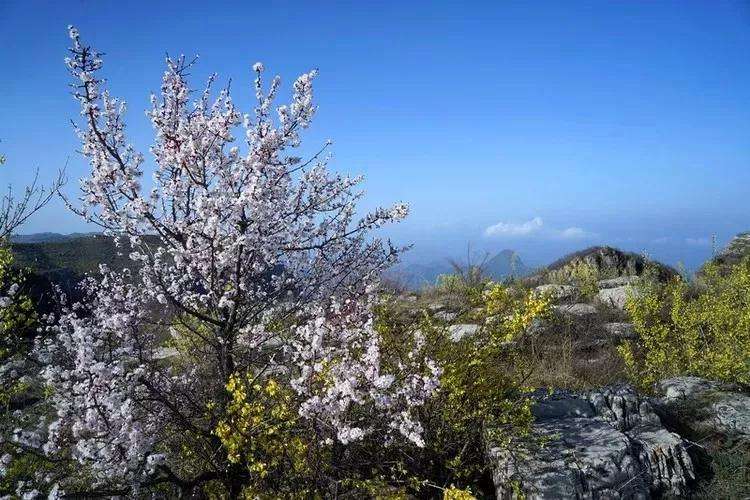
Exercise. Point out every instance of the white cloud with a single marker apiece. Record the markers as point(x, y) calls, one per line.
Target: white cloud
point(535, 226)
point(512, 229)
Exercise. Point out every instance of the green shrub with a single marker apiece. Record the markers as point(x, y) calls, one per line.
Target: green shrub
point(482, 392)
point(680, 331)
point(581, 274)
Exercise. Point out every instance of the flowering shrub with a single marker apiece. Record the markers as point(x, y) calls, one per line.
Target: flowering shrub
point(680, 332)
point(261, 430)
point(245, 317)
point(481, 392)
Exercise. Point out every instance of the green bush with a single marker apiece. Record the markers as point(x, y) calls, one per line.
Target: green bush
point(581, 274)
point(686, 330)
point(482, 394)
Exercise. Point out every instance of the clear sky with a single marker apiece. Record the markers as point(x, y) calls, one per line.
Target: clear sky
point(538, 126)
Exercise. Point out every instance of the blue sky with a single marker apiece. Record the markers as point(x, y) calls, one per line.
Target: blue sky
point(558, 124)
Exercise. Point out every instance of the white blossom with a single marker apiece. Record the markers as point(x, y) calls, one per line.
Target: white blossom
point(230, 241)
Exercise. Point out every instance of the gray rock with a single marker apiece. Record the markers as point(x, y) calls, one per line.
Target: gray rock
point(446, 316)
point(583, 458)
point(576, 309)
point(458, 332)
point(708, 409)
point(536, 327)
point(558, 292)
point(679, 388)
point(562, 405)
point(620, 330)
point(616, 297)
point(608, 443)
point(166, 353)
point(617, 282)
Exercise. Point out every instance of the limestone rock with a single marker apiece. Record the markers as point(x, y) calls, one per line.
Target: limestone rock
point(623, 331)
point(558, 292)
point(166, 353)
point(608, 443)
point(446, 316)
point(576, 309)
point(708, 409)
point(616, 297)
point(458, 332)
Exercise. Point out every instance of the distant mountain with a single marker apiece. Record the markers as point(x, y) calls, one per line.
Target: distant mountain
point(506, 263)
point(414, 275)
point(417, 275)
point(47, 237)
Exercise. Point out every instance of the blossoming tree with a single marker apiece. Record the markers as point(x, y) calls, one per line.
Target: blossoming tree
point(248, 301)
point(18, 324)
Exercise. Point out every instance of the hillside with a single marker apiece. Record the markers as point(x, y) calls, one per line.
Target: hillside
point(737, 249)
point(47, 237)
point(78, 255)
point(64, 260)
point(609, 262)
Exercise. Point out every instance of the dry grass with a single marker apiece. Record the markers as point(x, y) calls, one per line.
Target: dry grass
point(568, 363)
point(731, 476)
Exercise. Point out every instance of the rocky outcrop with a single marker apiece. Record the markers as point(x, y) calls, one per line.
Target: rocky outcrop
point(609, 261)
point(617, 296)
point(607, 443)
point(575, 309)
point(620, 330)
point(737, 249)
point(706, 410)
point(558, 292)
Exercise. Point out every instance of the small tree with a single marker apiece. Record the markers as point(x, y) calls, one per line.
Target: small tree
point(19, 391)
point(245, 320)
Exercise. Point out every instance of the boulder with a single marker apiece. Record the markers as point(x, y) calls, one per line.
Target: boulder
point(575, 309)
point(616, 297)
point(607, 443)
point(557, 292)
point(617, 282)
point(446, 316)
point(458, 332)
point(166, 353)
point(624, 331)
point(706, 409)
